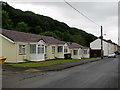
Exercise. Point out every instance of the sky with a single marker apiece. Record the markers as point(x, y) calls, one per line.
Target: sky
point(102, 12)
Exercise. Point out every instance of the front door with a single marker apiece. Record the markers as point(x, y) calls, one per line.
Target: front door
point(40, 53)
point(60, 52)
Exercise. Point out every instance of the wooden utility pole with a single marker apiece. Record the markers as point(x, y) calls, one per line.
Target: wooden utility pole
point(101, 42)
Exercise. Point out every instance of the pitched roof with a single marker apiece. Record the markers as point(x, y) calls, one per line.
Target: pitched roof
point(108, 41)
point(28, 37)
point(75, 45)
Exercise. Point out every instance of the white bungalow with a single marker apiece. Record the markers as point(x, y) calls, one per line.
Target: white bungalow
point(78, 51)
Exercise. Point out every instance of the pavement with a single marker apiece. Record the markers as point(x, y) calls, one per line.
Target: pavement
point(99, 74)
point(51, 68)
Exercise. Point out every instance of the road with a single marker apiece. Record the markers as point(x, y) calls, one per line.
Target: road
point(99, 74)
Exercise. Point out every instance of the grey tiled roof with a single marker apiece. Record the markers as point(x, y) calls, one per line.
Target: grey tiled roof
point(75, 45)
point(28, 37)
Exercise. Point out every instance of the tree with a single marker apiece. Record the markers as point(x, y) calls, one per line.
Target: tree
point(48, 33)
point(40, 24)
point(22, 26)
point(67, 37)
point(6, 21)
point(37, 29)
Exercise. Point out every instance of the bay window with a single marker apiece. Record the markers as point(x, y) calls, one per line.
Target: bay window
point(75, 52)
point(65, 49)
point(40, 49)
point(36, 49)
point(60, 48)
point(32, 48)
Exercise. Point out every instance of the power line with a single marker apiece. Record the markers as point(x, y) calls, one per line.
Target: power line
point(81, 13)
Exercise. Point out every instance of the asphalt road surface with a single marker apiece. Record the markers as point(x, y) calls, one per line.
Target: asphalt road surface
point(99, 74)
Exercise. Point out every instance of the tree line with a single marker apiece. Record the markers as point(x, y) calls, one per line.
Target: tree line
point(29, 22)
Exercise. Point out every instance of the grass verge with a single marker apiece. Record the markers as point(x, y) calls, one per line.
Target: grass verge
point(44, 64)
point(32, 64)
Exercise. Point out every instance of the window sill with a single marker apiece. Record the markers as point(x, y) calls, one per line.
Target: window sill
point(22, 54)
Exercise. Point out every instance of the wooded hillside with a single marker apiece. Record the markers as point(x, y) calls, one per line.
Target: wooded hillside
point(27, 21)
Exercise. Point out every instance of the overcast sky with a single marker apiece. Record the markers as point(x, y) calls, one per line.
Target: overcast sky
point(103, 13)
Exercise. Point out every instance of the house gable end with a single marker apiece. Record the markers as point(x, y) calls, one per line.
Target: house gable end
point(41, 42)
point(7, 38)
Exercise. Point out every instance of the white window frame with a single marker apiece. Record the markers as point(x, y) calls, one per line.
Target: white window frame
point(33, 51)
point(75, 51)
point(53, 49)
point(65, 49)
point(40, 49)
point(85, 52)
point(21, 49)
point(60, 50)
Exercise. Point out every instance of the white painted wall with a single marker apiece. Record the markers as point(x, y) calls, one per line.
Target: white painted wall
point(107, 47)
point(36, 56)
point(96, 44)
point(78, 54)
point(61, 54)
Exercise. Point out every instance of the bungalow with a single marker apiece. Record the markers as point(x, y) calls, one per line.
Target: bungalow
point(20, 46)
point(78, 51)
point(54, 48)
point(108, 46)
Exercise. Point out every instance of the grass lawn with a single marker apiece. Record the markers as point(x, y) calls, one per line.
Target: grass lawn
point(71, 60)
point(32, 64)
point(43, 64)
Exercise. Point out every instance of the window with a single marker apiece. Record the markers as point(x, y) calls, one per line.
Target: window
point(65, 49)
point(32, 48)
point(85, 51)
point(53, 49)
point(75, 52)
point(60, 48)
point(21, 49)
point(40, 49)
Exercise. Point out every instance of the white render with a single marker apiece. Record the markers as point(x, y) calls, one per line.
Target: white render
point(107, 47)
point(36, 56)
point(78, 56)
point(87, 55)
point(61, 54)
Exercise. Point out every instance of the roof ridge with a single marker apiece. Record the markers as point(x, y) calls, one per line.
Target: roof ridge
point(29, 37)
point(26, 33)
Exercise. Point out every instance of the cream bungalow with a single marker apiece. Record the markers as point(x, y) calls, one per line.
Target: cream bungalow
point(22, 47)
point(54, 48)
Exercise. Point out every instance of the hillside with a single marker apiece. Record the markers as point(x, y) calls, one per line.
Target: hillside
point(27, 21)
